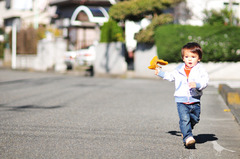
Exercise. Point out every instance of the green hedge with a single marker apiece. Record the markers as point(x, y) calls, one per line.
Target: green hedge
point(111, 32)
point(219, 43)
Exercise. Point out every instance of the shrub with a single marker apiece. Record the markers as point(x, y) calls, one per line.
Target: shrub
point(110, 32)
point(219, 43)
point(222, 17)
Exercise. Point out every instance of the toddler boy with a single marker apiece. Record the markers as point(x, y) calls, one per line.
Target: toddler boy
point(190, 79)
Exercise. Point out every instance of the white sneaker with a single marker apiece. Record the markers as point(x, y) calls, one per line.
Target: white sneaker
point(190, 141)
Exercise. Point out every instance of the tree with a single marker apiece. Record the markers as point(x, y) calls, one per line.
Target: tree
point(136, 10)
point(147, 35)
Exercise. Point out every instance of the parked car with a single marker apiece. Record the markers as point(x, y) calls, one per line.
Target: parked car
point(82, 57)
point(86, 56)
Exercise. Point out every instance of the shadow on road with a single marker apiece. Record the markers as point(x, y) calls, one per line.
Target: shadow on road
point(28, 107)
point(200, 139)
point(175, 133)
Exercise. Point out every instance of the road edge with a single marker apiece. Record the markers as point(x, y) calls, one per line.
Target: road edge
point(232, 99)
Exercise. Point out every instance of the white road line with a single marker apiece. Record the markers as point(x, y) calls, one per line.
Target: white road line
point(219, 148)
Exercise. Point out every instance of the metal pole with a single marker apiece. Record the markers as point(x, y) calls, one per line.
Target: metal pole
point(36, 14)
point(14, 44)
point(231, 11)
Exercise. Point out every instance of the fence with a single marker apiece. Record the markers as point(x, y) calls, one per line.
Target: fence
point(27, 41)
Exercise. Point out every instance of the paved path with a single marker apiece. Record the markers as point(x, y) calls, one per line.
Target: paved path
point(46, 115)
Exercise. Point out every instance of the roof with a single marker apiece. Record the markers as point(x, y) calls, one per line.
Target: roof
point(95, 14)
point(80, 2)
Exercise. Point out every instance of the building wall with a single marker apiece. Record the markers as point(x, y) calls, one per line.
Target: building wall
point(2, 10)
point(131, 28)
point(86, 37)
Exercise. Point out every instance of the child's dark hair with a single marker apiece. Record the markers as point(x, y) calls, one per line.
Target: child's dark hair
point(194, 48)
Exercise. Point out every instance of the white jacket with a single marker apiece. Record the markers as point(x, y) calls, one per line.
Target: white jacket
point(183, 93)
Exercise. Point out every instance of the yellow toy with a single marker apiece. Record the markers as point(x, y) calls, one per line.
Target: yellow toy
point(155, 62)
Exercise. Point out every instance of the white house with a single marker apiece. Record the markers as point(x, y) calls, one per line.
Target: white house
point(191, 11)
point(25, 12)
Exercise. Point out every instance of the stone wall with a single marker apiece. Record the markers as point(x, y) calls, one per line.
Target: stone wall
point(50, 55)
point(110, 59)
point(142, 57)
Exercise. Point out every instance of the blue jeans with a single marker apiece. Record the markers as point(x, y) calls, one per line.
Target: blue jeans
point(189, 115)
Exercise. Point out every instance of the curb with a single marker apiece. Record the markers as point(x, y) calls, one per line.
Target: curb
point(232, 99)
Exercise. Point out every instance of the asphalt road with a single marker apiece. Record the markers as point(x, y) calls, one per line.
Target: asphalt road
point(55, 116)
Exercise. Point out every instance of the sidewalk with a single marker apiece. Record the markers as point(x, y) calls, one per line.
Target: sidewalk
point(224, 76)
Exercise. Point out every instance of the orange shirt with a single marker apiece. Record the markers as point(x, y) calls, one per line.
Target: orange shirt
point(187, 70)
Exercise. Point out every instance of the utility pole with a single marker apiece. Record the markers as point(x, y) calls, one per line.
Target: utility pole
point(14, 44)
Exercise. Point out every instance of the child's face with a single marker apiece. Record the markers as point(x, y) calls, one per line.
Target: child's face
point(190, 59)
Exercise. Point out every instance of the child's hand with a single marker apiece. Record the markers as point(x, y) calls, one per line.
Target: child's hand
point(157, 69)
point(192, 84)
